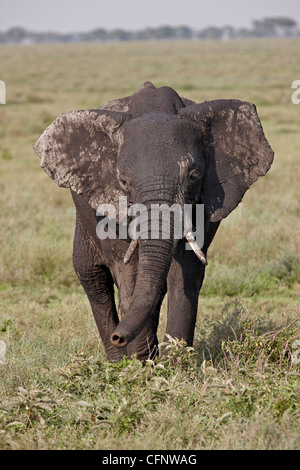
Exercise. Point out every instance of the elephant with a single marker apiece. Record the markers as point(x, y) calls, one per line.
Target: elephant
point(152, 147)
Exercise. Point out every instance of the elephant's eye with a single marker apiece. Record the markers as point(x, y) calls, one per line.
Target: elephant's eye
point(194, 176)
point(123, 183)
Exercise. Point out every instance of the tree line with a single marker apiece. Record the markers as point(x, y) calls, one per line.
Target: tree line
point(265, 28)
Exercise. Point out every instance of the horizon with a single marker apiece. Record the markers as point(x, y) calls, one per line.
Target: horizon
point(72, 16)
point(132, 30)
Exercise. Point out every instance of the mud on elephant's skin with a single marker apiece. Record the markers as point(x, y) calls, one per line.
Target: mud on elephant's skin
point(152, 147)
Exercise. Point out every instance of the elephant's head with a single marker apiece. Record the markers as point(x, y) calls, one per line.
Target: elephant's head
point(155, 147)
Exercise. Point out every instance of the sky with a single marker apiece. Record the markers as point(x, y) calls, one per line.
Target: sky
point(84, 15)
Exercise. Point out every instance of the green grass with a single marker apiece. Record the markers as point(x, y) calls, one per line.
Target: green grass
point(238, 388)
point(239, 376)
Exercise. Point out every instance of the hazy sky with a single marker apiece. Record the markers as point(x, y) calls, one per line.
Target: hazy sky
point(84, 15)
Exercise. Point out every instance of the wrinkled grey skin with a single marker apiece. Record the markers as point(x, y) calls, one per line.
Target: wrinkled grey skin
point(153, 147)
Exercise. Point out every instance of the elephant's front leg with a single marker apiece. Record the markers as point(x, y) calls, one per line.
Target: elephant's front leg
point(98, 284)
point(184, 281)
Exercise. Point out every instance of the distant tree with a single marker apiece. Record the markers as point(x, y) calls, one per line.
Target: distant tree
point(282, 26)
point(282, 21)
point(212, 32)
point(273, 27)
point(99, 34)
point(262, 28)
point(184, 32)
point(144, 34)
point(16, 35)
point(244, 33)
point(164, 32)
point(119, 35)
point(3, 38)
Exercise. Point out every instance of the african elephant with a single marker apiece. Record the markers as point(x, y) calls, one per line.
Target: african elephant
point(153, 147)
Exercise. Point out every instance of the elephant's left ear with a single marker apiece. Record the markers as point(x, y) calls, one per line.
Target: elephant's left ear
point(237, 152)
point(79, 151)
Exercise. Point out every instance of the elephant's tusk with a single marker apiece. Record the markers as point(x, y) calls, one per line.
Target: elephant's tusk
point(130, 251)
point(194, 245)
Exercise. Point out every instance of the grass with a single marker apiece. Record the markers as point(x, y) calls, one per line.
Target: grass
point(239, 387)
point(185, 401)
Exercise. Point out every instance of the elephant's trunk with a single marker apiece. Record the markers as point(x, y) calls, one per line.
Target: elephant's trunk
point(155, 257)
point(154, 263)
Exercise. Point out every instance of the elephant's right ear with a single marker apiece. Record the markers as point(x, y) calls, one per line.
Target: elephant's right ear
point(79, 151)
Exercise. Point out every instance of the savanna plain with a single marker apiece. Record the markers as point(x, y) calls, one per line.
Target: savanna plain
point(238, 388)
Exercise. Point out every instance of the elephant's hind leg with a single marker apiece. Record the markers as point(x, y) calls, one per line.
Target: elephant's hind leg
point(98, 284)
